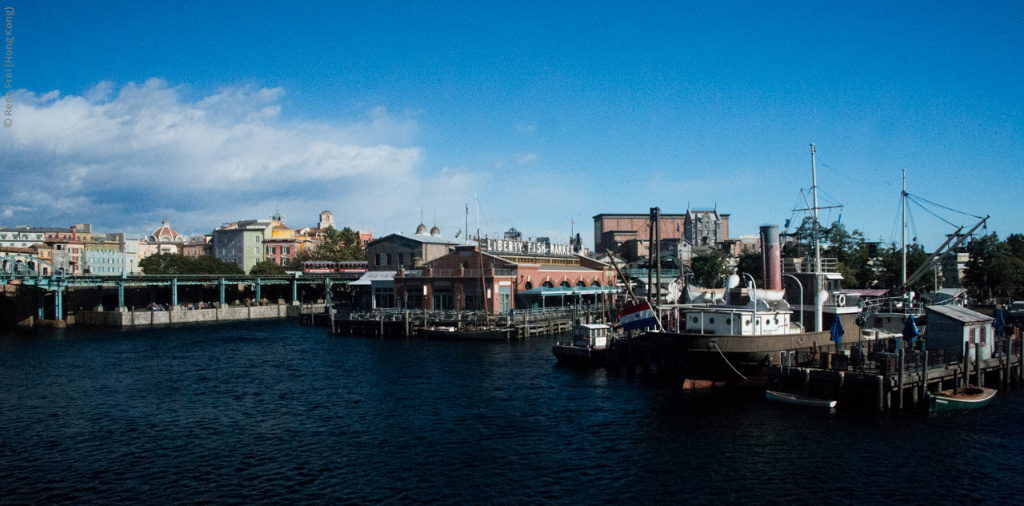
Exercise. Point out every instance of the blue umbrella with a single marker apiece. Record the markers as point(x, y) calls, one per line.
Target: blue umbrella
point(998, 322)
point(910, 330)
point(837, 332)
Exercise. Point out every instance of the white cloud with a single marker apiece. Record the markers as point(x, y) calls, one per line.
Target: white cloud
point(123, 158)
point(524, 159)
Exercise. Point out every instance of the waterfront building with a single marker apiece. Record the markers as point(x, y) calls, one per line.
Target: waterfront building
point(67, 255)
point(104, 258)
point(41, 251)
point(503, 275)
point(284, 243)
point(241, 242)
point(950, 326)
point(396, 251)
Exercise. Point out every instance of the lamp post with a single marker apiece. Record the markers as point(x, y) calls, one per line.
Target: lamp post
point(801, 286)
point(753, 288)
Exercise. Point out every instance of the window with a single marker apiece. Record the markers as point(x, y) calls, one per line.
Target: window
point(286, 250)
point(389, 258)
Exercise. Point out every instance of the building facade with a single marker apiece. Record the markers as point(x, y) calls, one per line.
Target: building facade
point(241, 242)
point(698, 227)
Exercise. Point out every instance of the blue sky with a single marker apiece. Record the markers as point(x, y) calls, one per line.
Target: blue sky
point(205, 113)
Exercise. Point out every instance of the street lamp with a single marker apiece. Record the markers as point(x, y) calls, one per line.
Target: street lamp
point(753, 287)
point(801, 285)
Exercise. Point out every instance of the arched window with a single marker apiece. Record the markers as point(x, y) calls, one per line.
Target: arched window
point(581, 284)
point(547, 284)
point(529, 285)
point(565, 284)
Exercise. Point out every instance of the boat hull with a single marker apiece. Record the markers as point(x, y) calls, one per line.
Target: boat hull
point(714, 357)
point(972, 398)
point(578, 355)
point(468, 335)
point(799, 400)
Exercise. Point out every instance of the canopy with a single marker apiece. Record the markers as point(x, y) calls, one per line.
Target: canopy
point(575, 290)
point(837, 332)
point(998, 322)
point(910, 330)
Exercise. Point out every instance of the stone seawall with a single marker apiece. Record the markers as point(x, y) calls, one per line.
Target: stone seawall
point(230, 313)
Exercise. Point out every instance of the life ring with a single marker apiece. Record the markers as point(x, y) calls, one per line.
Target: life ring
point(841, 300)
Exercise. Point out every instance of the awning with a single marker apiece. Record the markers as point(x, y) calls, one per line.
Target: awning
point(375, 277)
point(562, 291)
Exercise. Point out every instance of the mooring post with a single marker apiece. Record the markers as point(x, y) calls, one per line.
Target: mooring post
point(881, 392)
point(902, 355)
point(840, 380)
point(406, 323)
point(807, 382)
point(966, 373)
point(924, 377)
point(977, 366)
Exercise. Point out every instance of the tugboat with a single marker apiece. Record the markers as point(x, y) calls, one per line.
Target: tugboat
point(589, 345)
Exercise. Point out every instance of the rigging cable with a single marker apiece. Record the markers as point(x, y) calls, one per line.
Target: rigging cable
point(727, 360)
point(929, 211)
point(946, 208)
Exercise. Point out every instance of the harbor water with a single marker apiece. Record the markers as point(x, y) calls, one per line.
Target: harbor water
point(271, 412)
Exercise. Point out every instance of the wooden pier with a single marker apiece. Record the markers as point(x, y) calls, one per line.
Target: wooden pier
point(408, 322)
point(883, 375)
point(895, 380)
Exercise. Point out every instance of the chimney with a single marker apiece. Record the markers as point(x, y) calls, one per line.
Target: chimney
point(772, 257)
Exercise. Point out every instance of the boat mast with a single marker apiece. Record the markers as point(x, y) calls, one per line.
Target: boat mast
point(817, 247)
point(480, 251)
point(903, 228)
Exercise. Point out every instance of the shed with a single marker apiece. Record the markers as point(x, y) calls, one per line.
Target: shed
point(949, 327)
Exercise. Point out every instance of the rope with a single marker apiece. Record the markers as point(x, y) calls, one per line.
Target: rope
point(727, 361)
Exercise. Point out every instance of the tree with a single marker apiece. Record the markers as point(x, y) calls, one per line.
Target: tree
point(890, 273)
point(751, 263)
point(173, 263)
point(267, 267)
point(339, 246)
point(708, 267)
point(995, 269)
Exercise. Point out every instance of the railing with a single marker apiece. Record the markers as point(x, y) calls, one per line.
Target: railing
point(798, 265)
point(642, 273)
point(459, 273)
point(514, 317)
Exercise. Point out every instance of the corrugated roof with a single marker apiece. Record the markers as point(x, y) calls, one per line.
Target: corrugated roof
point(959, 313)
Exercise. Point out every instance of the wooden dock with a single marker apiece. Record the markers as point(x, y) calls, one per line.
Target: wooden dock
point(883, 375)
point(408, 322)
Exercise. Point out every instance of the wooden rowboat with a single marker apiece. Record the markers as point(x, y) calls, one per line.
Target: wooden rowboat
point(960, 400)
point(799, 400)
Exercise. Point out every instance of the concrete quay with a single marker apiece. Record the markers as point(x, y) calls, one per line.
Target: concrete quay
point(122, 317)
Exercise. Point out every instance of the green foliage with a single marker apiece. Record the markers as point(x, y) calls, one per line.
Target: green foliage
point(267, 267)
point(336, 246)
point(751, 263)
point(173, 263)
point(708, 267)
point(890, 267)
point(996, 268)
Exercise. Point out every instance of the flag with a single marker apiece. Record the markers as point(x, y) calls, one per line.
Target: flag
point(637, 317)
point(910, 330)
point(837, 332)
point(998, 323)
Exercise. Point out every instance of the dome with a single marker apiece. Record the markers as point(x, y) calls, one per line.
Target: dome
point(436, 232)
point(421, 230)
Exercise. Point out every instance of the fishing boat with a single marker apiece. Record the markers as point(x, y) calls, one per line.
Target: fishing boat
point(467, 334)
point(799, 400)
point(971, 397)
point(589, 345)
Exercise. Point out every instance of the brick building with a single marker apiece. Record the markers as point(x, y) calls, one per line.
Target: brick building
point(701, 228)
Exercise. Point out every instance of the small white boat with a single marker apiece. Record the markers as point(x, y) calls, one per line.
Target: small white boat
point(799, 400)
point(588, 347)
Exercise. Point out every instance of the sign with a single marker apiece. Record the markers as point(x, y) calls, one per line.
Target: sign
point(528, 248)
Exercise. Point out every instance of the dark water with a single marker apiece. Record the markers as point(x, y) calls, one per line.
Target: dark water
point(275, 413)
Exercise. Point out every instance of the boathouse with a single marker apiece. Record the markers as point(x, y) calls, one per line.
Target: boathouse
point(949, 327)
